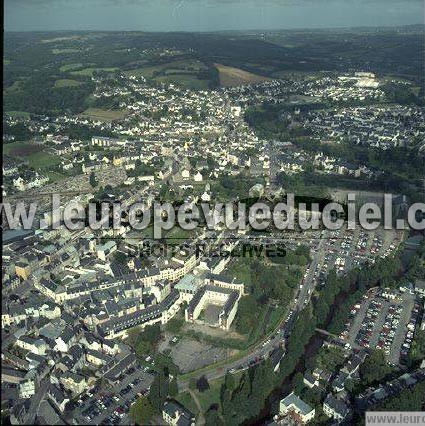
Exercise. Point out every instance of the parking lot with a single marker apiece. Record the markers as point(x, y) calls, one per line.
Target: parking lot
point(381, 320)
point(190, 354)
point(347, 249)
point(110, 404)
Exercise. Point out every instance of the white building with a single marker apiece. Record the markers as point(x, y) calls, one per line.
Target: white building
point(296, 407)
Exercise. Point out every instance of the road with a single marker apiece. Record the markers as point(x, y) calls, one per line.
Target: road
point(308, 283)
point(35, 401)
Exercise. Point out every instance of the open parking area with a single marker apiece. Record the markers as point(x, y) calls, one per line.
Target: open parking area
point(190, 354)
point(384, 320)
point(110, 403)
point(345, 249)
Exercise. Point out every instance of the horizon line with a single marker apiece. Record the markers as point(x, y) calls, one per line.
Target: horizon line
point(260, 30)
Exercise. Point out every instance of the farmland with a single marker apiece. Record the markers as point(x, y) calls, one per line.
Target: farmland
point(231, 76)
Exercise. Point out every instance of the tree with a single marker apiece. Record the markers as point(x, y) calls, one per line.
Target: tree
point(174, 325)
point(212, 417)
point(174, 388)
point(93, 180)
point(202, 384)
point(229, 381)
point(159, 391)
point(297, 382)
point(120, 257)
point(375, 368)
point(417, 351)
point(142, 411)
point(409, 399)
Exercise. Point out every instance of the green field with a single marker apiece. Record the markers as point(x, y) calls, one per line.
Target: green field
point(59, 51)
point(70, 67)
point(143, 71)
point(104, 114)
point(41, 160)
point(179, 66)
point(66, 83)
point(89, 71)
point(187, 401)
point(38, 159)
point(23, 149)
point(180, 72)
point(18, 114)
point(189, 81)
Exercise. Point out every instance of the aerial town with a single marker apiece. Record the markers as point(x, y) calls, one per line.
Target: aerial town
point(111, 325)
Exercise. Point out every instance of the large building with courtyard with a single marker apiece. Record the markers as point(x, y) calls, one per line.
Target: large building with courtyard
point(215, 302)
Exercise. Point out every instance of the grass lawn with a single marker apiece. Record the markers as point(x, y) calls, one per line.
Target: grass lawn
point(187, 401)
point(177, 234)
point(66, 83)
point(89, 71)
point(41, 160)
point(20, 149)
point(275, 317)
point(104, 114)
point(241, 270)
point(207, 398)
point(54, 176)
point(210, 396)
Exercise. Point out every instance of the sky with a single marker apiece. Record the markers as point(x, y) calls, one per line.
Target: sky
point(207, 15)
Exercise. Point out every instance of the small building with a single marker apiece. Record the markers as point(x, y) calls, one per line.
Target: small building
point(335, 408)
point(295, 406)
point(104, 250)
point(57, 397)
point(36, 346)
point(310, 381)
point(73, 382)
point(173, 413)
point(338, 383)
